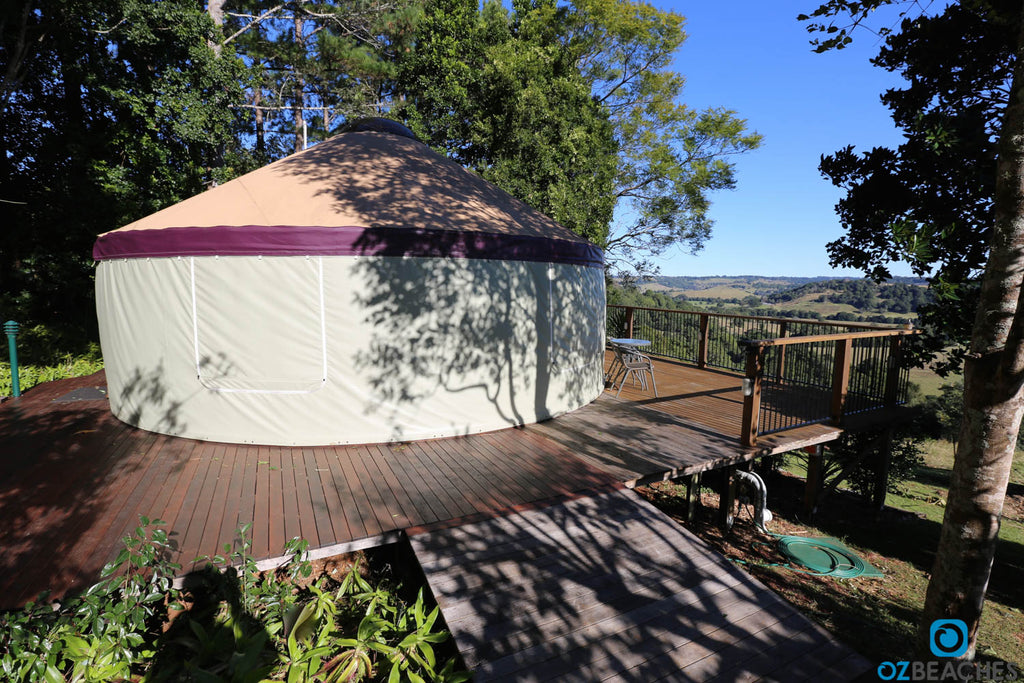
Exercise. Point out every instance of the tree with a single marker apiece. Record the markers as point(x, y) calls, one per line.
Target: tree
point(316, 64)
point(950, 112)
point(671, 157)
point(499, 91)
point(573, 108)
point(109, 110)
point(991, 133)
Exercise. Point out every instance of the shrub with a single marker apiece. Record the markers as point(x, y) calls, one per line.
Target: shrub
point(906, 457)
point(229, 622)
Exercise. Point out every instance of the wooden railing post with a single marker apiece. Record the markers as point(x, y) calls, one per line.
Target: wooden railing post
point(841, 378)
point(892, 375)
point(629, 322)
point(702, 342)
point(752, 394)
point(783, 332)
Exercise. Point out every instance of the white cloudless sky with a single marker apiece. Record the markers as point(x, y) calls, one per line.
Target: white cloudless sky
point(754, 57)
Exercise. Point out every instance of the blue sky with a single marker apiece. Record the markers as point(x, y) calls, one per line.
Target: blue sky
point(752, 56)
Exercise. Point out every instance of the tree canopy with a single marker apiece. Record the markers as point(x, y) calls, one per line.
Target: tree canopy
point(929, 202)
point(113, 109)
point(313, 65)
point(109, 110)
point(574, 109)
point(952, 198)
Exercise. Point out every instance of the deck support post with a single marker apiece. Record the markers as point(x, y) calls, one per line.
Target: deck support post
point(841, 379)
point(692, 496)
point(702, 341)
point(815, 480)
point(629, 321)
point(752, 395)
point(725, 498)
point(882, 473)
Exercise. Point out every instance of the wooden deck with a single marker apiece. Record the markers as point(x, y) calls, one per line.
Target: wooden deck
point(608, 588)
point(74, 480)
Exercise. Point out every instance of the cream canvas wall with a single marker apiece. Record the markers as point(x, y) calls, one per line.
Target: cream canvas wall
point(295, 350)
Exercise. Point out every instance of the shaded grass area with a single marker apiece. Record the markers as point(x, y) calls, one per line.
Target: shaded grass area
point(876, 616)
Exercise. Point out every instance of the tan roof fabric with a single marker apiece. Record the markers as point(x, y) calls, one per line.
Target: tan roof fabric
point(368, 179)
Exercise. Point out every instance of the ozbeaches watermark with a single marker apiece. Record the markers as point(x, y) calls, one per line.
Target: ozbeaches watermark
point(947, 638)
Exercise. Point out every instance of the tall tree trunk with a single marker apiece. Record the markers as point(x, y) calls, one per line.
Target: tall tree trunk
point(299, 92)
point(261, 140)
point(993, 401)
point(215, 8)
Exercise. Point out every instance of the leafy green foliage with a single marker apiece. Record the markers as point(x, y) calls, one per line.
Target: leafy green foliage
point(573, 108)
point(906, 457)
point(929, 202)
point(105, 634)
point(61, 368)
point(500, 91)
point(229, 622)
point(109, 110)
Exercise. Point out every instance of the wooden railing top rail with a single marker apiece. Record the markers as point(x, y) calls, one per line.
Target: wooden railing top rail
point(805, 321)
point(843, 336)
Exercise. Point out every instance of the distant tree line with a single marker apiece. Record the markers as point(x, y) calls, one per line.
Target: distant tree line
point(865, 295)
point(619, 295)
point(634, 296)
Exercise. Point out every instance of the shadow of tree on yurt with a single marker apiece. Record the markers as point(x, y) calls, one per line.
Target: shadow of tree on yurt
point(403, 184)
point(460, 331)
point(147, 391)
point(480, 312)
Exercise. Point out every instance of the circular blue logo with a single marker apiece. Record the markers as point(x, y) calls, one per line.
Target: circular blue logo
point(948, 638)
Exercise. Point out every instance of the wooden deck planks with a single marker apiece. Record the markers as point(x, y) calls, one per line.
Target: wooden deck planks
point(533, 591)
point(608, 588)
point(90, 476)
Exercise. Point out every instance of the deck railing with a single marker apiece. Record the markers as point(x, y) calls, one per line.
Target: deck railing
point(795, 372)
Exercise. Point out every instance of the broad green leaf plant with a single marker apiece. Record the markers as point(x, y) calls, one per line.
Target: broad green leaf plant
point(226, 622)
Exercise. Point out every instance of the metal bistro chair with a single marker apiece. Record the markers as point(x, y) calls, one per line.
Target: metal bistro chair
point(634, 364)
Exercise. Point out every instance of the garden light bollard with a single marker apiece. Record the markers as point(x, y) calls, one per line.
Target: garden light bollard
point(11, 328)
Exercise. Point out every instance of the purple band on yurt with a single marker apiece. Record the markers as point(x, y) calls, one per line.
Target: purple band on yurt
point(230, 240)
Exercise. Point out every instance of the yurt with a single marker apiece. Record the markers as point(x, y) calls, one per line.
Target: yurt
point(364, 290)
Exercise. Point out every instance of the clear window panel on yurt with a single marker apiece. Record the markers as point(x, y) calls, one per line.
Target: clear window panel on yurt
point(259, 324)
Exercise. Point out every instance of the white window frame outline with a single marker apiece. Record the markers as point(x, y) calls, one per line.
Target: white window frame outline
point(228, 390)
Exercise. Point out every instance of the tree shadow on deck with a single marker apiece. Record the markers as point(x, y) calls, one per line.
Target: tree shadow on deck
point(60, 468)
point(607, 586)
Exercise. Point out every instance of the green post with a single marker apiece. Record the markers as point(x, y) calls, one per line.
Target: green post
point(11, 328)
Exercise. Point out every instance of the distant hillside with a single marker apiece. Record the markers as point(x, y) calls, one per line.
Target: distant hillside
point(833, 298)
point(754, 284)
point(863, 295)
point(750, 284)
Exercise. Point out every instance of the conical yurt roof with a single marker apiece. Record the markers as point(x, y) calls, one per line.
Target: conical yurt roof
point(365, 192)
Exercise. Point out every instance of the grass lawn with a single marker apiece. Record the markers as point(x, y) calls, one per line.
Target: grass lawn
point(876, 616)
